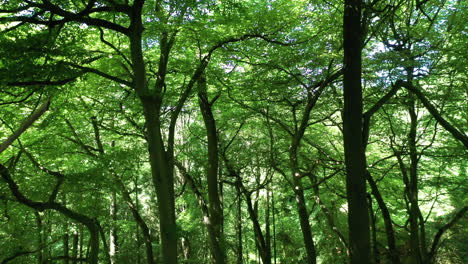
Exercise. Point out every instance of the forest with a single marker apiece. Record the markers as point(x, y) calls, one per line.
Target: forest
point(233, 131)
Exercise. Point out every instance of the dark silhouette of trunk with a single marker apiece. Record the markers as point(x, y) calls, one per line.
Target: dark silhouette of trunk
point(239, 253)
point(66, 248)
point(416, 221)
point(81, 246)
point(145, 231)
point(214, 204)
point(267, 221)
point(160, 160)
point(113, 237)
point(163, 180)
point(304, 222)
point(358, 213)
point(75, 249)
point(260, 242)
point(104, 243)
point(389, 231)
point(313, 95)
point(435, 244)
point(274, 225)
point(40, 238)
point(326, 211)
point(375, 248)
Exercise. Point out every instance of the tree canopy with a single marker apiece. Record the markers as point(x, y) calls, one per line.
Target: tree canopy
point(233, 131)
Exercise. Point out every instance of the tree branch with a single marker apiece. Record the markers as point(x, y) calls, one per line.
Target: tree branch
point(25, 125)
point(436, 114)
point(443, 229)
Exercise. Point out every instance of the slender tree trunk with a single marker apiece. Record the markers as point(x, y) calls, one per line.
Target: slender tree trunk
point(40, 238)
point(113, 238)
point(66, 238)
point(305, 224)
point(214, 203)
point(300, 202)
point(267, 221)
point(141, 224)
point(75, 249)
point(274, 225)
point(375, 248)
point(358, 215)
point(389, 231)
point(66, 249)
point(138, 243)
point(239, 255)
point(148, 245)
point(415, 239)
point(259, 238)
point(328, 214)
point(81, 236)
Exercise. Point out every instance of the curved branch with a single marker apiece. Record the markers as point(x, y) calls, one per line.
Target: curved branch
point(25, 125)
point(460, 136)
point(443, 229)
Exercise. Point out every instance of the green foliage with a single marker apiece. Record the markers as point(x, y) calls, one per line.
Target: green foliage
point(265, 60)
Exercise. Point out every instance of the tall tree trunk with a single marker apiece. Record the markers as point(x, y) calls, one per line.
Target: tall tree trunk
point(358, 215)
point(81, 246)
point(267, 221)
point(239, 253)
point(260, 243)
point(300, 202)
point(328, 214)
point(141, 224)
point(160, 162)
point(389, 231)
point(274, 225)
point(214, 203)
point(375, 248)
point(66, 248)
point(40, 238)
point(113, 238)
point(305, 224)
point(416, 243)
point(163, 180)
point(75, 248)
point(66, 238)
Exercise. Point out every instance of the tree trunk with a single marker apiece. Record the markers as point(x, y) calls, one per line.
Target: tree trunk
point(416, 223)
point(358, 215)
point(239, 255)
point(160, 162)
point(375, 248)
point(214, 203)
point(389, 232)
point(267, 221)
point(113, 238)
point(40, 238)
point(265, 255)
point(300, 202)
point(304, 221)
point(163, 180)
point(66, 249)
point(75, 249)
point(274, 225)
point(80, 251)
